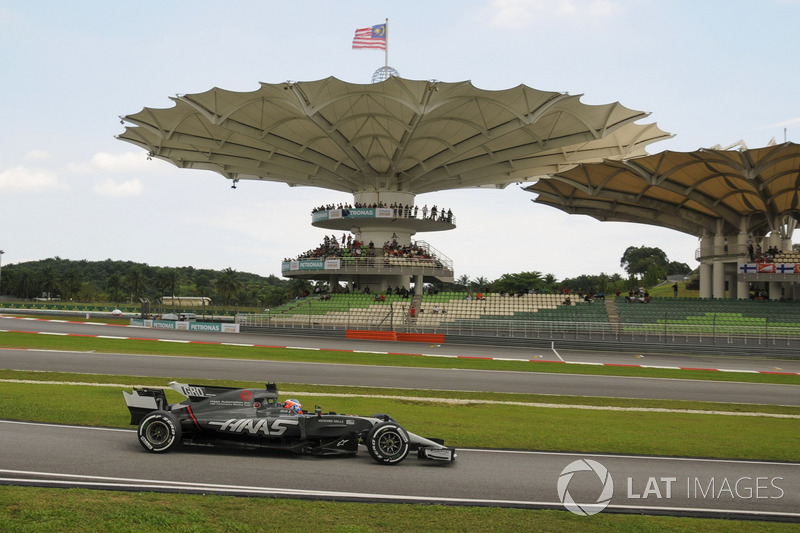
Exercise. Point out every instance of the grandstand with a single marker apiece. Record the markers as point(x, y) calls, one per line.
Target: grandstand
point(433, 310)
point(702, 315)
point(542, 316)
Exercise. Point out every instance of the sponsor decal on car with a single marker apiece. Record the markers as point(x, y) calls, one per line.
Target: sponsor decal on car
point(253, 426)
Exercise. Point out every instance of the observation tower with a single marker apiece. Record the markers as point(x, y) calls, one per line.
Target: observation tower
point(385, 143)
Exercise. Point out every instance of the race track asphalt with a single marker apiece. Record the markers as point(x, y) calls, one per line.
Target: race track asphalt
point(111, 458)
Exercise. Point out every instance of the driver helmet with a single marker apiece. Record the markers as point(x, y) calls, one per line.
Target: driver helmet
point(293, 405)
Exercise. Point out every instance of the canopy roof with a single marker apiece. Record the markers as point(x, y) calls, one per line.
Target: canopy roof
point(396, 135)
point(706, 192)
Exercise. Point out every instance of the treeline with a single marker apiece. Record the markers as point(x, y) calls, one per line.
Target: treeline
point(523, 282)
point(125, 282)
point(646, 266)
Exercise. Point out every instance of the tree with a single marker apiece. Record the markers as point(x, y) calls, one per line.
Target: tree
point(173, 278)
point(462, 283)
point(24, 283)
point(521, 282)
point(653, 276)
point(114, 287)
point(674, 268)
point(638, 260)
point(298, 288)
point(48, 281)
point(71, 283)
point(166, 281)
point(273, 296)
point(228, 284)
point(136, 281)
point(479, 284)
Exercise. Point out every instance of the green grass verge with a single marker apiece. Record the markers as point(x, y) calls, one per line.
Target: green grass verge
point(76, 343)
point(25, 509)
point(39, 510)
point(504, 424)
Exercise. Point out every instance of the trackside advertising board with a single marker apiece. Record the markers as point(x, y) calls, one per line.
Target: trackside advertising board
point(215, 327)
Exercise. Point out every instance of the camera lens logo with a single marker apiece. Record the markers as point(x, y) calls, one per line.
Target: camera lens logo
point(585, 465)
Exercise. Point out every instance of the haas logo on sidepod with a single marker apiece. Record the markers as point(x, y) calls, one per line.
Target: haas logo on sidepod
point(254, 426)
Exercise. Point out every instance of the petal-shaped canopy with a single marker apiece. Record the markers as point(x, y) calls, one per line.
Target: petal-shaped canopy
point(396, 135)
point(701, 193)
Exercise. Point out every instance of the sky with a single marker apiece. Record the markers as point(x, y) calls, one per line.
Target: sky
point(709, 72)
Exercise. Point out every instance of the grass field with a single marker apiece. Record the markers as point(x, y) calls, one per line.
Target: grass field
point(93, 344)
point(630, 426)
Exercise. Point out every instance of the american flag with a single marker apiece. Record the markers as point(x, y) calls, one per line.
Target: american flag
point(373, 37)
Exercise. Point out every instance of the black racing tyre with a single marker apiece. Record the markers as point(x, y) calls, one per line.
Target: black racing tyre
point(388, 443)
point(159, 431)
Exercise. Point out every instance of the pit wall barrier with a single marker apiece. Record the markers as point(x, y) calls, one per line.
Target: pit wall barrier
point(436, 338)
point(214, 327)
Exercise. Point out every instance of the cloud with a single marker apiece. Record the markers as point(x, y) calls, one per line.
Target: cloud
point(112, 188)
point(37, 155)
point(106, 163)
point(523, 13)
point(783, 124)
point(23, 179)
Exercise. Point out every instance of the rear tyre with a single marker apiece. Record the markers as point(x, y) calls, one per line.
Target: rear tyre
point(388, 443)
point(159, 431)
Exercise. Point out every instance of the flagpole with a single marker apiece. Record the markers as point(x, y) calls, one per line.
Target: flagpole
point(387, 43)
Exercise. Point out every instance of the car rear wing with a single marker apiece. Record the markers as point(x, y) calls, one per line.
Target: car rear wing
point(144, 400)
point(199, 392)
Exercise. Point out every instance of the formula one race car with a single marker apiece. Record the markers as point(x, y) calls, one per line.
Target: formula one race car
point(255, 418)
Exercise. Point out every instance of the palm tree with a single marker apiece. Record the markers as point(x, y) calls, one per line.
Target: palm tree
point(71, 283)
point(228, 284)
point(479, 284)
point(173, 278)
point(299, 287)
point(136, 281)
point(114, 287)
point(24, 284)
point(49, 281)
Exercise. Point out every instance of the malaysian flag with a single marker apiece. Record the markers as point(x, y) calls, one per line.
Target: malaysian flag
point(373, 37)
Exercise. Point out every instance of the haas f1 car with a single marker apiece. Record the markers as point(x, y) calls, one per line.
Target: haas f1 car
point(255, 418)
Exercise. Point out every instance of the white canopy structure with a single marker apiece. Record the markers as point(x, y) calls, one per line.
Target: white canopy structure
point(398, 135)
point(730, 199)
point(387, 142)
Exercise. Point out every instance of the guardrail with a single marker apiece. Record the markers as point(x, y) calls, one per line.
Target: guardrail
point(573, 330)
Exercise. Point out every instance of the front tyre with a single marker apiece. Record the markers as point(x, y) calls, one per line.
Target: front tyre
point(388, 443)
point(159, 431)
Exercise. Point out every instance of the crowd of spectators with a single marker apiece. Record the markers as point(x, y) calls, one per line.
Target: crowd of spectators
point(393, 248)
point(642, 296)
point(757, 255)
point(767, 256)
point(350, 246)
point(400, 210)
